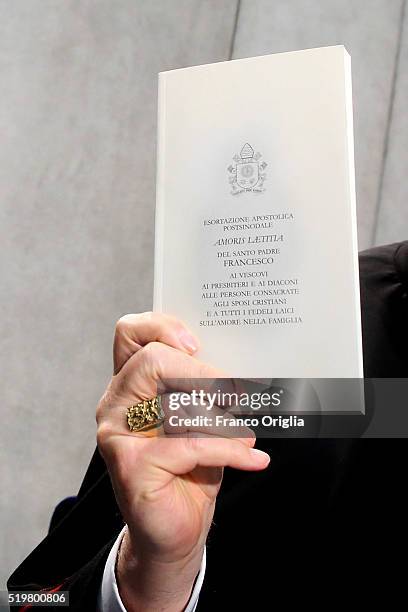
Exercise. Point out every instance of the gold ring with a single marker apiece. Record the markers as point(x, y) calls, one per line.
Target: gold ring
point(146, 414)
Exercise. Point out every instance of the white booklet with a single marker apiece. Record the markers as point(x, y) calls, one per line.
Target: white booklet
point(256, 237)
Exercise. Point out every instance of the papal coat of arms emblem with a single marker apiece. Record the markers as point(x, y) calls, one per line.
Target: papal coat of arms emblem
point(248, 172)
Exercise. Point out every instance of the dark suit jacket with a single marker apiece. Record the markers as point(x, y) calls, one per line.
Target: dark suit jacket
point(325, 520)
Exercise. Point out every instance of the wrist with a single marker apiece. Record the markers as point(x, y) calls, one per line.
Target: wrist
point(147, 584)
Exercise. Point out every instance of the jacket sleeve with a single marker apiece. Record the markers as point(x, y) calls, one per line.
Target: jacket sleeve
point(72, 557)
point(384, 307)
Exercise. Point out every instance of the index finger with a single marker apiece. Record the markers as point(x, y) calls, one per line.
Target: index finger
point(133, 331)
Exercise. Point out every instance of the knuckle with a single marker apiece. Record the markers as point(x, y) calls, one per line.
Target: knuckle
point(99, 412)
point(148, 315)
point(122, 323)
point(234, 451)
point(195, 445)
point(152, 354)
point(128, 320)
point(103, 433)
point(104, 403)
point(115, 459)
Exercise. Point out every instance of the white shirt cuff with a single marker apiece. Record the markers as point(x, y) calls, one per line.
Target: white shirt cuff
point(109, 599)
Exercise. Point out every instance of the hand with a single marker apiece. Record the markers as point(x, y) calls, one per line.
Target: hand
point(166, 486)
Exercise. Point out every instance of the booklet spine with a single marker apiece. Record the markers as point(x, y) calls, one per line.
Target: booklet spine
point(160, 196)
point(353, 205)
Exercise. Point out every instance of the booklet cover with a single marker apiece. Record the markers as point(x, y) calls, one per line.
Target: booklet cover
point(256, 237)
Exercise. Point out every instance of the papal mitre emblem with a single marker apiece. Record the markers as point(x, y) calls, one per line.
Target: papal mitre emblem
point(247, 174)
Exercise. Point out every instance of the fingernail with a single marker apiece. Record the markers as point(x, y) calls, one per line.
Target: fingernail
point(260, 457)
point(188, 341)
